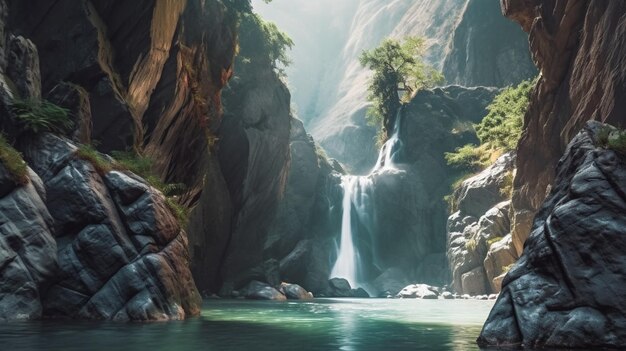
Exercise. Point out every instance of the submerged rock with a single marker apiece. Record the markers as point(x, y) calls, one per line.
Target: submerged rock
point(566, 290)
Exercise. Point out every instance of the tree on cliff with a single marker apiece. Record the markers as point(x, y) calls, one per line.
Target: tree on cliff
point(399, 72)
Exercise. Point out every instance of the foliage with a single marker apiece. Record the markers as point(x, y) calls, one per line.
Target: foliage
point(262, 43)
point(143, 167)
point(97, 160)
point(240, 6)
point(37, 116)
point(470, 158)
point(13, 162)
point(398, 68)
point(502, 127)
point(506, 188)
point(498, 132)
point(612, 138)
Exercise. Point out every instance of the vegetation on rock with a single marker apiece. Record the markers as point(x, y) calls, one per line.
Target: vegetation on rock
point(399, 71)
point(498, 132)
point(263, 44)
point(13, 162)
point(39, 116)
point(612, 138)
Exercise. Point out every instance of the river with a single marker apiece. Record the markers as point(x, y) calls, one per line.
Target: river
point(322, 324)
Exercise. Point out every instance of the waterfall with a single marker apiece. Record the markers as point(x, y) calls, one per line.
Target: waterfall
point(358, 195)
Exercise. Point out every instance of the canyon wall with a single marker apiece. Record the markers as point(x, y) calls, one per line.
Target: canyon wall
point(577, 46)
point(83, 237)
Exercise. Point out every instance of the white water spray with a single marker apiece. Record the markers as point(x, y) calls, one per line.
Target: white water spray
point(358, 194)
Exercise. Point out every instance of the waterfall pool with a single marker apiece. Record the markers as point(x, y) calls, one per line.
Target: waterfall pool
point(321, 324)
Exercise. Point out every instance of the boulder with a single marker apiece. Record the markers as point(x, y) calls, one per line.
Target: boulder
point(474, 282)
point(565, 290)
point(339, 287)
point(256, 290)
point(501, 254)
point(295, 292)
point(360, 293)
point(419, 291)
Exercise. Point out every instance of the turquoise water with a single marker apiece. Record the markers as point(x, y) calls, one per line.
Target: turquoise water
point(323, 324)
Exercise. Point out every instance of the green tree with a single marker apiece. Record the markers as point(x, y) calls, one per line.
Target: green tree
point(399, 70)
point(261, 43)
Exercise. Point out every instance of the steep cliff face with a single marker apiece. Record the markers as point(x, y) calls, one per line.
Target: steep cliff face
point(151, 71)
point(84, 238)
point(79, 239)
point(566, 289)
point(231, 226)
point(578, 46)
point(487, 49)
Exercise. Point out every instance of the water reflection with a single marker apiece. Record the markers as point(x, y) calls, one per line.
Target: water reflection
point(244, 325)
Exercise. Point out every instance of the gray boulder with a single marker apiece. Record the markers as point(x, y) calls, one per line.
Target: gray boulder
point(567, 288)
point(256, 290)
point(339, 287)
point(295, 292)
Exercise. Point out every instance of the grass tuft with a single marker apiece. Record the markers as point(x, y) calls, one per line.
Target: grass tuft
point(40, 116)
point(12, 160)
point(91, 155)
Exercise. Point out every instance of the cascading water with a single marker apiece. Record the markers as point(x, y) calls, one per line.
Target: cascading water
point(358, 195)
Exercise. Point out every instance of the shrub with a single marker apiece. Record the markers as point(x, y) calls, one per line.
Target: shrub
point(37, 116)
point(612, 138)
point(470, 158)
point(506, 188)
point(12, 160)
point(502, 127)
point(91, 155)
point(143, 167)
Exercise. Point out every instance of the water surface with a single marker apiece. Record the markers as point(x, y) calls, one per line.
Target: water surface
point(323, 324)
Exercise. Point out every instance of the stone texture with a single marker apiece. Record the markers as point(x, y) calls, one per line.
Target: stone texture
point(578, 46)
point(96, 246)
point(477, 248)
point(565, 290)
point(487, 49)
point(256, 290)
point(419, 291)
point(295, 292)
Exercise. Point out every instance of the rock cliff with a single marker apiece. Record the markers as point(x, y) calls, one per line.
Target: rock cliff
point(80, 236)
point(578, 46)
point(565, 291)
point(487, 49)
point(151, 72)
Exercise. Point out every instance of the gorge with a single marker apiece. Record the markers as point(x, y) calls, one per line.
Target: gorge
point(171, 160)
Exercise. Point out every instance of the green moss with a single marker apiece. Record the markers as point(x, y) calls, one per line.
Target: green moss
point(39, 116)
point(12, 160)
point(91, 155)
point(506, 188)
point(143, 167)
point(470, 158)
point(492, 241)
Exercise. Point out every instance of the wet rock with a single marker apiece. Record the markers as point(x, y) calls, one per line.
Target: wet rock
point(256, 290)
point(419, 291)
point(295, 292)
point(339, 287)
point(360, 293)
point(446, 295)
point(563, 292)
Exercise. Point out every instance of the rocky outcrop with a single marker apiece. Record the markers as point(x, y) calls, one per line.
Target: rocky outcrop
point(487, 49)
point(261, 228)
point(81, 244)
point(479, 241)
point(578, 47)
point(151, 71)
point(565, 291)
